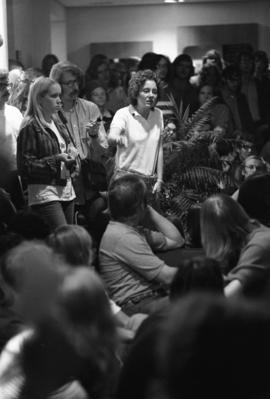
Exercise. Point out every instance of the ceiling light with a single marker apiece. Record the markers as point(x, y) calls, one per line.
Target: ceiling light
point(174, 1)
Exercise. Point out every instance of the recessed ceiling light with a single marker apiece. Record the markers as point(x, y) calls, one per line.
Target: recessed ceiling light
point(174, 1)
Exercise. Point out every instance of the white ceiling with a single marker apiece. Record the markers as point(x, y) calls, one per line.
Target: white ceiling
point(111, 3)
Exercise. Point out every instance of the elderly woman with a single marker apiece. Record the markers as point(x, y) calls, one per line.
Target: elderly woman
point(241, 244)
point(45, 156)
point(136, 130)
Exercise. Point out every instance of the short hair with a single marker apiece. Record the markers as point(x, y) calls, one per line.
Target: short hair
point(38, 89)
point(125, 196)
point(205, 338)
point(224, 227)
point(61, 67)
point(255, 158)
point(254, 197)
point(138, 80)
point(19, 262)
point(196, 274)
point(74, 243)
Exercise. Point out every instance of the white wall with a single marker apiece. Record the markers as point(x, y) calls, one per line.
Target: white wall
point(58, 30)
point(4, 37)
point(31, 34)
point(157, 23)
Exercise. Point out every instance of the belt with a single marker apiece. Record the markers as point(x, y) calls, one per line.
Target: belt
point(160, 292)
point(134, 172)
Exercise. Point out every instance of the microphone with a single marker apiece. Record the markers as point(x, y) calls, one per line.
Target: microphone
point(62, 117)
point(64, 120)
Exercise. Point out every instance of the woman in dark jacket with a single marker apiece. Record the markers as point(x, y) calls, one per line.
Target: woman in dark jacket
point(46, 158)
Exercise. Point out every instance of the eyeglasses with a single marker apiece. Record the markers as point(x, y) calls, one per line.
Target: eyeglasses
point(70, 83)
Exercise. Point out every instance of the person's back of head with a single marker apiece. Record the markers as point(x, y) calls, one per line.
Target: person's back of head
point(74, 243)
point(33, 272)
point(254, 197)
point(215, 348)
point(224, 228)
point(47, 63)
point(90, 325)
point(148, 61)
point(126, 197)
point(196, 274)
point(74, 341)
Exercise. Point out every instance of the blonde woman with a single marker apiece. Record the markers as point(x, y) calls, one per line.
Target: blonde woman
point(45, 156)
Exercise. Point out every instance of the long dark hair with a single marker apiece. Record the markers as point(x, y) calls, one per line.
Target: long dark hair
point(225, 227)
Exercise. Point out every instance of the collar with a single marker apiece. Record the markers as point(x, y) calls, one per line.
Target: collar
point(72, 109)
point(134, 112)
point(107, 114)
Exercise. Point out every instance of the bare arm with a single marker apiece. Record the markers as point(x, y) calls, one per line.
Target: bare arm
point(169, 230)
point(233, 289)
point(160, 164)
point(116, 137)
point(166, 275)
point(159, 182)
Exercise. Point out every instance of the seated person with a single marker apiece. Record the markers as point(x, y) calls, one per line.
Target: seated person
point(250, 166)
point(211, 347)
point(219, 116)
point(134, 275)
point(197, 274)
point(74, 244)
point(240, 243)
point(254, 197)
point(140, 369)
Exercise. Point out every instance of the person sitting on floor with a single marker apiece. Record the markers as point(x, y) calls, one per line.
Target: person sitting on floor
point(134, 275)
point(140, 372)
point(254, 197)
point(251, 165)
point(211, 347)
point(239, 243)
point(74, 244)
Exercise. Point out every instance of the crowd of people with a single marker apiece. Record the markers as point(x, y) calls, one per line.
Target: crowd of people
point(100, 295)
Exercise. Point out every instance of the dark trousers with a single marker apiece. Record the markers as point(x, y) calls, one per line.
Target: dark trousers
point(12, 184)
point(56, 213)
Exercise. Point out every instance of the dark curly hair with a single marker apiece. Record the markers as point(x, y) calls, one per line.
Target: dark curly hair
point(137, 81)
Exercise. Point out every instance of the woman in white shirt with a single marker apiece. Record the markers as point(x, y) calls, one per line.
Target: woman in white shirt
point(137, 131)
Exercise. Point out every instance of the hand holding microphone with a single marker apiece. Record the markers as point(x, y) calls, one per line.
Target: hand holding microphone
point(92, 128)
